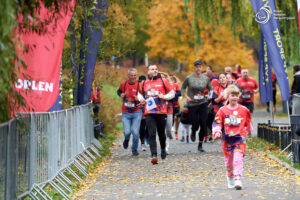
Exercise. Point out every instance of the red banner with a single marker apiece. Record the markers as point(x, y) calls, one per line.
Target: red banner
point(39, 82)
point(298, 5)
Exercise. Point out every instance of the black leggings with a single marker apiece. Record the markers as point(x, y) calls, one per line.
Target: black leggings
point(198, 117)
point(143, 131)
point(156, 122)
point(210, 119)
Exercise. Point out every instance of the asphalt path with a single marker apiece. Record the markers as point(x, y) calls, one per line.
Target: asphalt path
point(189, 174)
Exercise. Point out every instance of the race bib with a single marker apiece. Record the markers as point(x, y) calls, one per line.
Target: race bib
point(233, 121)
point(150, 103)
point(152, 93)
point(129, 105)
point(246, 96)
point(198, 97)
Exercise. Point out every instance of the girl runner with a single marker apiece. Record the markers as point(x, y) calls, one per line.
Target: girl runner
point(233, 123)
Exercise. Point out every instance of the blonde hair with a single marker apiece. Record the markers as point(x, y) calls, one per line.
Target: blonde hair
point(165, 75)
point(177, 80)
point(231, 89)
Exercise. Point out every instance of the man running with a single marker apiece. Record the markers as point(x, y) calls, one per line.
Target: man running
point(197, 103)
point(228, 70)
point(248, 87)
point(155, 92)
point(131, 110)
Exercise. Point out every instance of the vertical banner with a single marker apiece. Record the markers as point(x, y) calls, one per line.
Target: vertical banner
point(58, 104)
point(39, 82)
point(264, 12)
point(265, 73)
point(92, 33)
point(298, 5)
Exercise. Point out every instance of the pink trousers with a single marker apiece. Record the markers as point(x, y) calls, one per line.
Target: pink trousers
point(234, 165)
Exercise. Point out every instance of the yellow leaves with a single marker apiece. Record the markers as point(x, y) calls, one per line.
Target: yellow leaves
point(119, 32)
point(221, 49)
point(172, 35)
point(169, 33)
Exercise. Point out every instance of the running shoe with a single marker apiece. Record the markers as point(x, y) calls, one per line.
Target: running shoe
point(230, 182)
point(135, 153)
point(143, 146)
point(154, 160)
point(125, 144)
point(176, 135)
point(167, 147)
point(169, 135)
point(182, 139)
point(238, 184)
point(200, 148)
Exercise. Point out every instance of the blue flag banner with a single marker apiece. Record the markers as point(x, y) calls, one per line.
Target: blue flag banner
point(264, 12)
point(92, 33)
point(265, 73)
point(58, 103)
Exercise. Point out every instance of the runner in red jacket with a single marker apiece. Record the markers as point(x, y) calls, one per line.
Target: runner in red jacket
point(155, 93)
point(248, 87)
point(131, 110)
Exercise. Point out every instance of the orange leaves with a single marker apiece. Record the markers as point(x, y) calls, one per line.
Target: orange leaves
point(172, 35)
point(221, 49)
point(169, 30)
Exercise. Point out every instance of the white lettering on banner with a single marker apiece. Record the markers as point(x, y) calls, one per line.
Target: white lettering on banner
point(34, 85)
point(41, 84)
point(279, 45)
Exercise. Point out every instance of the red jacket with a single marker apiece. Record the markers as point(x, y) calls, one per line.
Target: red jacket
point(151, 88)
point(95, 95)
point(247, 87)
point(130, 105)
point(234, 124)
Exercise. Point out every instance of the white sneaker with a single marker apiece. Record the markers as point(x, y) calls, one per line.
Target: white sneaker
point(230, 182)
point(238, 184)
point(143, 147)
point(167, 147)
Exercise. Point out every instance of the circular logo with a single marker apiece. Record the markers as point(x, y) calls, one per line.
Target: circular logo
point(235, 112)
point(263, 15)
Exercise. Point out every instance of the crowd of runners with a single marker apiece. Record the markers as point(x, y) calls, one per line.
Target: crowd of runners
point(220, 105)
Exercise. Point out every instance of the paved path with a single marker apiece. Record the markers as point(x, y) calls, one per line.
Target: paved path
point(188, 174)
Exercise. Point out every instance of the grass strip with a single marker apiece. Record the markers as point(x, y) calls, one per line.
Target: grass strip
point(264, 146)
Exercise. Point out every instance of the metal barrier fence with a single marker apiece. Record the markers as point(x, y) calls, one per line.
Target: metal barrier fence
point(278, 134)
point(38, 149)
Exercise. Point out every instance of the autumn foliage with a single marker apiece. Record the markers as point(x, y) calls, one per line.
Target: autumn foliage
point(172, 35)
